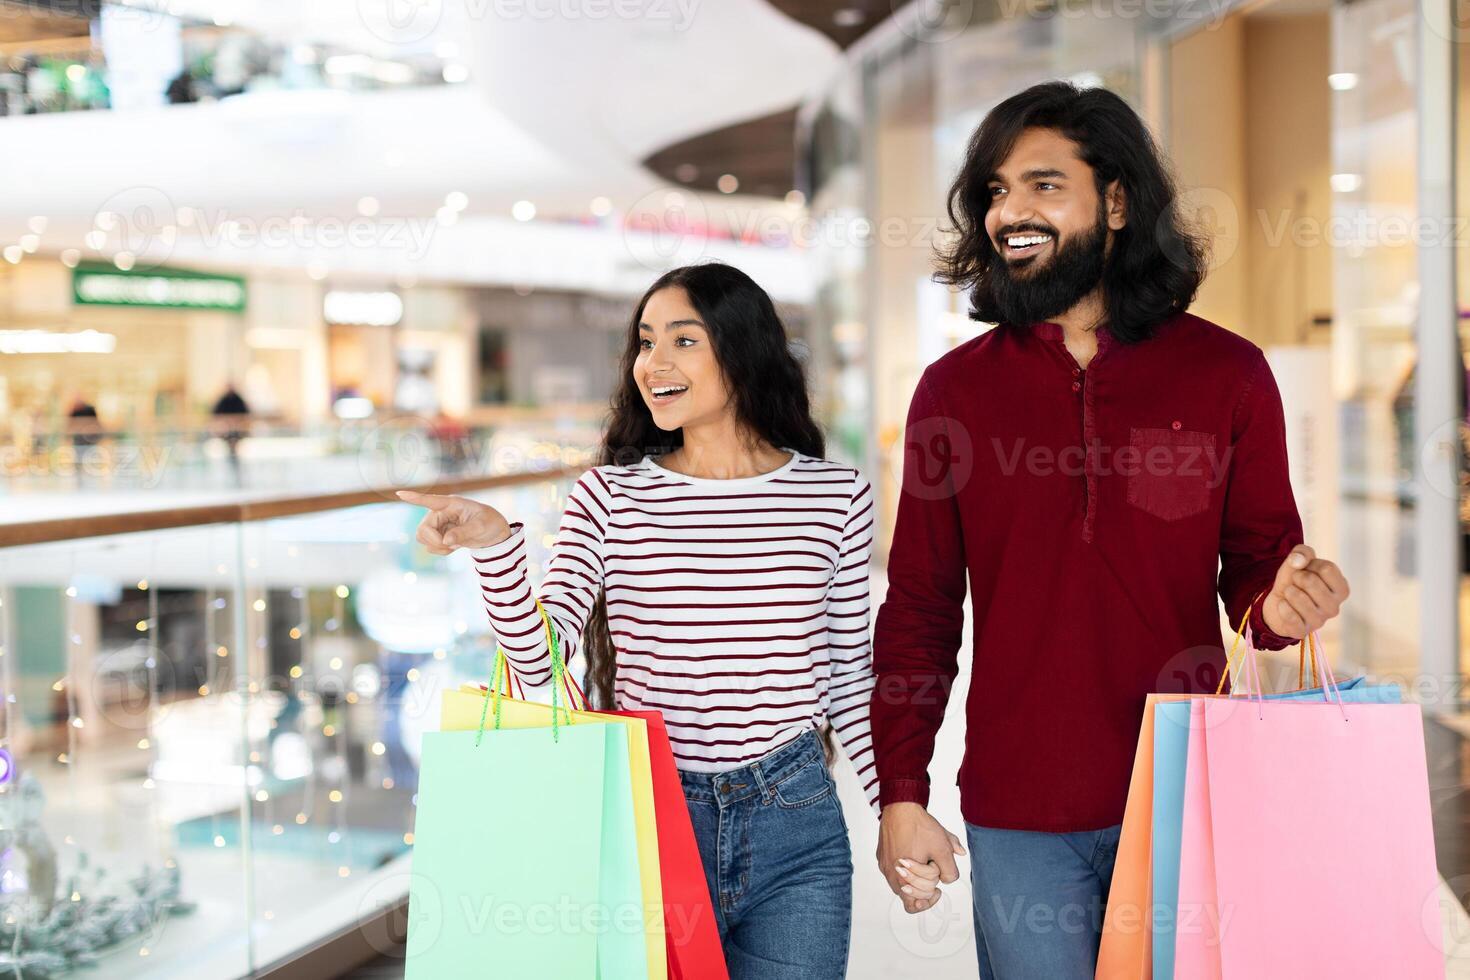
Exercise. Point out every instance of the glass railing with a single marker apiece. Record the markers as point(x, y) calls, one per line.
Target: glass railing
point(97, 464)
point(209, 750)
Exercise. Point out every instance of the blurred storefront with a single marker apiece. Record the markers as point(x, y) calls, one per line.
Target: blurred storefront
point(1295, 130)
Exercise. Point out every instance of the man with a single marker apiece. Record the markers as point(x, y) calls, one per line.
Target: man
point(1089, 464)
point(231, 415)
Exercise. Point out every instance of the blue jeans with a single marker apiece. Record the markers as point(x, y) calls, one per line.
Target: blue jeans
point(1039, 900)
point(774, 846)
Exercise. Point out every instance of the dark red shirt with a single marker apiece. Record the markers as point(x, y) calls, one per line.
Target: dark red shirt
point(1097, 514)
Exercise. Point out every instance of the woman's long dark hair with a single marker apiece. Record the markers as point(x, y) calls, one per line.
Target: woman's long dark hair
point(767, 387)
point(1156, 262)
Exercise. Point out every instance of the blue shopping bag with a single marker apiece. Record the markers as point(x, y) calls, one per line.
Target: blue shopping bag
point(1171, 748)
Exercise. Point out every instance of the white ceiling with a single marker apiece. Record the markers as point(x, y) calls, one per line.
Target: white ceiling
point(559, 111)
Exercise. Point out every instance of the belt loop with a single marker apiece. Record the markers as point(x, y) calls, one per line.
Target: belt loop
point(760, 779)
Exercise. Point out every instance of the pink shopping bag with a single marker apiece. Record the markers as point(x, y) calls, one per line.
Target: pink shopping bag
point(1307, 845)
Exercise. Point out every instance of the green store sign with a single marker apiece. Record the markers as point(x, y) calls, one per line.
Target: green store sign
point(175, 289)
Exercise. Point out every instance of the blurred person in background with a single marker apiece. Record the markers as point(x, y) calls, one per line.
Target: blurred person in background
point(713, 566)
point(83, 424)
point(231, 421)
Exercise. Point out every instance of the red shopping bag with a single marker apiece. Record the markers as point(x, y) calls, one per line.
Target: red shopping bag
point(692, 935)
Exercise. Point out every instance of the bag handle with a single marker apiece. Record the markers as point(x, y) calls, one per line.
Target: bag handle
point(1308, 642)
point(1330, 692)
point(502, 672)
point(503, 675)
point(569, 683)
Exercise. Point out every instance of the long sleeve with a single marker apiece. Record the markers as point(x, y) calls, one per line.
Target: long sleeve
point(569, 591)
point(1261, 524)
point(848, 642)
point(919, 627)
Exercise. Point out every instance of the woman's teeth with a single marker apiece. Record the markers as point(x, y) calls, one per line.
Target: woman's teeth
point(666, 393)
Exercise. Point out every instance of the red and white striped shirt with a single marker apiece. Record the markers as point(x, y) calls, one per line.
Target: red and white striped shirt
point(738, 608)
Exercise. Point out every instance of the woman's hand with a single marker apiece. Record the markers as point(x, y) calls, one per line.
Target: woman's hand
point(920, 884)
point(456, 522)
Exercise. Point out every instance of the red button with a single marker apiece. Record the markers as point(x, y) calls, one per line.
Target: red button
point(1177, 425)
point(1076, 386)
point(1076, 371)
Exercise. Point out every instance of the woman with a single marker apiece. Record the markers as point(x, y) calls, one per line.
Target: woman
point(714, 566)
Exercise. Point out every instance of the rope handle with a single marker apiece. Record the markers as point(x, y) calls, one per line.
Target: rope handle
point(502, 673)
point(1308, 642)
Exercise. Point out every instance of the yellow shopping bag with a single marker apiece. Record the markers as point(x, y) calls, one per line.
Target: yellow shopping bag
point(467, 709)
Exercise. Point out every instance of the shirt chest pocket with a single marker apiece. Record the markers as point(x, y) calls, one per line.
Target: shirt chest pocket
point(1170, 472)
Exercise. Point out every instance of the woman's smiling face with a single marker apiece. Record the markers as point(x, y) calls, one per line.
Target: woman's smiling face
point(676, 369)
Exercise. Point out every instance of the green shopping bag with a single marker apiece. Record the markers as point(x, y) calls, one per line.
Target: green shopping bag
point(525, 860)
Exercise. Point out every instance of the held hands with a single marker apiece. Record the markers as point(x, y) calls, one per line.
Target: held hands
point(1308, 591)
point(456, 522)
point(915, 854)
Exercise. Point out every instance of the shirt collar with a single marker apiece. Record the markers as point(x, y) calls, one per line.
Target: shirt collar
point(1046, 330)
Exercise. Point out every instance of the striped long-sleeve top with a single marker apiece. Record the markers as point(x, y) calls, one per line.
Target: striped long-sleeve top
point(738, 608)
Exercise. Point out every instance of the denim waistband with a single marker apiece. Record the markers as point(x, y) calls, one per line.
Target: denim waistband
point(754, 778)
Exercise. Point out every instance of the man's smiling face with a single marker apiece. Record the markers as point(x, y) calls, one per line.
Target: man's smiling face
point(1048, 226)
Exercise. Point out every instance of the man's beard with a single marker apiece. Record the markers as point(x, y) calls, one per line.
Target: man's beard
point(1048, 291)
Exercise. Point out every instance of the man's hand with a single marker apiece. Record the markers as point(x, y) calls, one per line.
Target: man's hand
point(907, 833)
point(1308, 591)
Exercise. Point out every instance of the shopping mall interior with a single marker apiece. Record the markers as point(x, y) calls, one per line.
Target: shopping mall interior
point(262, 263)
